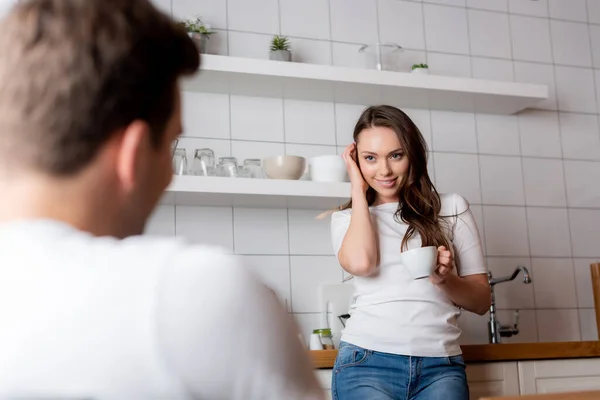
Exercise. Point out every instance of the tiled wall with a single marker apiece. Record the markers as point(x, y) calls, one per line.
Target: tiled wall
point(533, 179)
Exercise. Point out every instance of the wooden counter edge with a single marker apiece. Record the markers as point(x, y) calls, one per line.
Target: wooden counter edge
point(595, 272)
point(592, 395)
point(498, 352)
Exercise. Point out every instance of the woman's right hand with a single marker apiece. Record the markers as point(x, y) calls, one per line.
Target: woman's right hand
point(356, 179)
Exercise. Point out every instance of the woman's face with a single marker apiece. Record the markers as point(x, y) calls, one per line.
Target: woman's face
point(382, 161)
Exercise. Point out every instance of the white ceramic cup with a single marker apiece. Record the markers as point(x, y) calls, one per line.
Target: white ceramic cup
point(420, 262)
point(328, 168)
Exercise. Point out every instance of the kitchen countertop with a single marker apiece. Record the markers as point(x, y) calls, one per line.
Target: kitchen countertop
point(499, 352)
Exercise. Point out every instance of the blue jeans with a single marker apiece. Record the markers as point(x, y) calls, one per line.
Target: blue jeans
point(370, 375)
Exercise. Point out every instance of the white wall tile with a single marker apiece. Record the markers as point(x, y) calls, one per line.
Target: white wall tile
point(205, 225)
point(309, 122)
point(456, 3)
point(257, 118)
point(354, 21)
point(308, 273)
point(307, 322)
point(273, 271)
point(593, 8)
point(575, 89)
point(259, 16)
point(431, 167)
point(311, 51)
point(571, 10)
point(205, 115)
point(249, 45)
point(346, 116)
point(501, 180)
point(458, 173)
point(558, 325)
point(585, 231)
point(162, 5)
point(495, 5)
point(544, 182)
point(549, 232)
point(583, 282)
point(446, 29)
point(453, 131)
point(422, 119)
point(498, 134)
point(506, 231)
point(530, 39)
point(527, 325)
point(489, 34)
point(449, 65)
point(540, 133)
point(309, 235)
point(348, 55)
point(401, 22)
point(492, 69)
point(260, 231)
point(161, 222)
point(295, 16)
point(513, 294)
point(597, 82)
point(580, 136)
point(582, 188)
point(595, 43)
point(212, 12)
point(474, 328)
point(541, 74)
point(538, 8)
point(571, 43)
point(589, 327)
point(243, 150)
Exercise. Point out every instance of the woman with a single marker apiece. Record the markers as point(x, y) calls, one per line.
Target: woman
point(401, 341)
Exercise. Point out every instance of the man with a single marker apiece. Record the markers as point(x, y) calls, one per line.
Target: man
point(89, 308)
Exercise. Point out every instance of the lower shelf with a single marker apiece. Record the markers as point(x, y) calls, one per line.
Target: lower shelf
point(246, 192)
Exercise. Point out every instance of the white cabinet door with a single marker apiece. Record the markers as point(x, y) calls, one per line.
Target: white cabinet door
point(324, 377)
point(554, 376)
point(493, 379)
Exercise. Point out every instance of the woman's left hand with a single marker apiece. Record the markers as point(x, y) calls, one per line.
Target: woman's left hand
point(445, 264)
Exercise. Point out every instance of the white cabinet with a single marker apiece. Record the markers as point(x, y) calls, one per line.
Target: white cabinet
point(553, 376)
point(493, 379)
point(324, 377)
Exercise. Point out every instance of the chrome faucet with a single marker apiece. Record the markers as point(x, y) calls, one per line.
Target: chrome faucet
point(495, 329)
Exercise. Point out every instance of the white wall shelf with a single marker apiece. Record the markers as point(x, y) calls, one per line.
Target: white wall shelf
point(246, 192)
point(255, 77)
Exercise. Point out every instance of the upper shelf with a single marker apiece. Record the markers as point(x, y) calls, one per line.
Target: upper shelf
point(254, 77)
point(247, 192)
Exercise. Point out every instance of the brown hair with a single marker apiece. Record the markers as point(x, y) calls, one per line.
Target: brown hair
point(419, 202)
point(73, 72)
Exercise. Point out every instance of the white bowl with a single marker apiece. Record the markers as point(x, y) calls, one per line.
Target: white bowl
point(328, 168)
point(420, 262)
point(284, 167)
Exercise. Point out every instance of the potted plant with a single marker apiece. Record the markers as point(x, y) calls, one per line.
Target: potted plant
point(199, 32)
point(420, 69)
point(280, 49)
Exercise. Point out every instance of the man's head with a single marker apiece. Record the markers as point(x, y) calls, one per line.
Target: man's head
point(89, 90)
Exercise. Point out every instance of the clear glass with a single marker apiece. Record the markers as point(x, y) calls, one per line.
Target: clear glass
point(179, 162)
point(253, 167)
point(227, 166)
point(382, 56)
point(204, 162)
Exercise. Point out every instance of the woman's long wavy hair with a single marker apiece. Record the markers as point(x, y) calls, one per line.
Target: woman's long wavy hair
point(419, 202)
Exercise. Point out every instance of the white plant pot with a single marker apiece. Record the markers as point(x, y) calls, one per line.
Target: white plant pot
point(200, 40)
point(420, 71)
point(280, 55)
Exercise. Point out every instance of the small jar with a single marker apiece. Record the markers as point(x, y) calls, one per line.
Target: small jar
point(326, 338)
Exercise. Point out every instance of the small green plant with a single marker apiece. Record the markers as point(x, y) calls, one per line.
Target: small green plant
point(415, 66)
point(280, 43)
point(197, 26)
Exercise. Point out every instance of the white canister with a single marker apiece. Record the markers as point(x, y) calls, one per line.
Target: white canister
point(328, 168)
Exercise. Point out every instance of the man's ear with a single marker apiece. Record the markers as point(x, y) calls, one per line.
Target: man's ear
point(135, 142)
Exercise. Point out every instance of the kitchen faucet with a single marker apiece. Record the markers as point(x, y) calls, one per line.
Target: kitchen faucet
point(495, 329)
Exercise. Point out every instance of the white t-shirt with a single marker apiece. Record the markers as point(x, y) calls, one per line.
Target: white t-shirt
point(393, 313)
point(140, 318)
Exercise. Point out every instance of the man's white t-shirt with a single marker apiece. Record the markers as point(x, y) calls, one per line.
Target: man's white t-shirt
point(393, 313)
point(139, 318)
